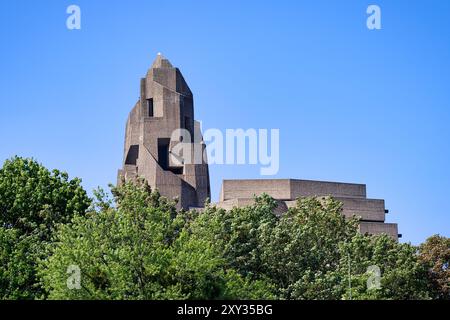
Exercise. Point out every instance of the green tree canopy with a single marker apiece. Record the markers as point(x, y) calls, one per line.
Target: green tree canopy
point(435, 255)
point(140, 250)
point(137, 245)
point(401, 275)
point(33, 201)
point(311, 252)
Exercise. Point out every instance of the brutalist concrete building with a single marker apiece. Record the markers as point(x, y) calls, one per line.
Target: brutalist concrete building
point(166, 105)
point(353, 196)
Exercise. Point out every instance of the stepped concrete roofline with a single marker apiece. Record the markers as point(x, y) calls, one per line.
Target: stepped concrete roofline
point(165, 105)
point(371, 212)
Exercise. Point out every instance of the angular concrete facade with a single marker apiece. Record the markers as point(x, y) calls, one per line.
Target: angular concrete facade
point(371, 212)
point(166, 105)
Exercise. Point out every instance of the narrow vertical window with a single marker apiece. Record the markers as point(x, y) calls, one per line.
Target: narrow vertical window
point(188, 125)
point(150, 107)
point(132, 155)
point(163, 153)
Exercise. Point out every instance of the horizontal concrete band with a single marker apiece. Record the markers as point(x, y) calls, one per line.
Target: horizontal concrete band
point(390, 229)
point(364, 209)
point(289, 189)
point(371, 212)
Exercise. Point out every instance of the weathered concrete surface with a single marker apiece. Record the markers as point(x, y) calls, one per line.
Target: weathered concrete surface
point(371, 212)
point(379, 228)
point(287, 189)
point(166, 103)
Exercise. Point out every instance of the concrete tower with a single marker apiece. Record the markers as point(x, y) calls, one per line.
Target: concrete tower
point(153, 132)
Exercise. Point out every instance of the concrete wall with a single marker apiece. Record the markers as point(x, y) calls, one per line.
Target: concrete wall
point(173, 108)
point(308, 188)
point(276, 188)
point(390, 229)
point(371, 212)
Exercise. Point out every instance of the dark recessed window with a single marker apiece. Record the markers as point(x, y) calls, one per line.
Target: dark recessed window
point(188, 125)
point(163, 157)
point(132, 155)
point(163, 153)
point(150, 107)
point(176, 170)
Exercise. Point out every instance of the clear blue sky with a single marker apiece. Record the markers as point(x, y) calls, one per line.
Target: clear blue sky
point(352, 105)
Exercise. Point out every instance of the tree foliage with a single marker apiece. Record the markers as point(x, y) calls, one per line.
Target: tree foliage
point(312, 251)
point(33, 201)
point(137, 245)
point(401, 275)
point(435, 255)
point(140, 250)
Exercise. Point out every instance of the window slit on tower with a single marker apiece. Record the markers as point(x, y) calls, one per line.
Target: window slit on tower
point(150, 107)
point(188, 126)
point(132, 155)
point(163, 153)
